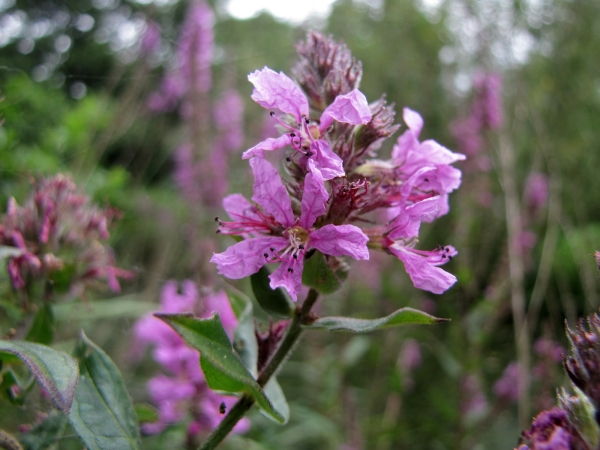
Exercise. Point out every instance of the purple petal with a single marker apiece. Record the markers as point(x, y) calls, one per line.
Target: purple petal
point(173, 302)
point(434, 153)
point(350, 108)
point(407, 143)
point(423, 274)
point(239, 208)
point(340, 240)
point(268, 144)
point(413, 120)
point(290, 280)
point(314, 197)
point(277, 90)
point(246, 257)
point(329, 164)
point(270, 193)
point(409, 220)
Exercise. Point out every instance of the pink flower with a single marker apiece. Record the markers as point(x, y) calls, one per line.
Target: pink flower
point(426, 164)
point(277, 91)
point(400, 237)
point(274, 234)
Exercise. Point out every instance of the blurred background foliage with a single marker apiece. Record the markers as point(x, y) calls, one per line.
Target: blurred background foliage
point(75, 85)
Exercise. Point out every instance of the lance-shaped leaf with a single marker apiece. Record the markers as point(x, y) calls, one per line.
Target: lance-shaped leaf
point(244, 338)
point(273, 301)
point(275, 394)
point(223, 369)
point(102, 413)
point(404, 316)
point(55, 371)
point(318, 275)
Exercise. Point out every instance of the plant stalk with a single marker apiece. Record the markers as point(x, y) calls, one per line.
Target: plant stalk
point(295, 330)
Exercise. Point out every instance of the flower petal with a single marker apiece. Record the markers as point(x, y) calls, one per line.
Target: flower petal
point(246, 257)
point(350, 108)
point(423, 274)
point(329, 164)
point(314, 197)
point(290, 280)
point(413, 120)
point(434, 153)
point(270, 193)
point(268, 144)
point(408, 222)
point(340, 240)
point(239, 208)
point(277, 90)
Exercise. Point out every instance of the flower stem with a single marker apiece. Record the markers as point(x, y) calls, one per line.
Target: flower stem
point(301, 316)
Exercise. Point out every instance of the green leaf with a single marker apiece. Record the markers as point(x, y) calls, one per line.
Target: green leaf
point(55, 371)
point(125, 306)
point(146, 413)
point(274, 302)
point(42, 328)
point(244, 338)
point(223, 369)
point(404, 316)
point(275, 394)
point(46, 434)
point(318, 275)
point(102, 413)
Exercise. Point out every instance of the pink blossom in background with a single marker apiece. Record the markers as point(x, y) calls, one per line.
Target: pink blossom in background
point(228, 114)
point(150, 38)
point(410, 355)
point(536, 190)
point(474, 404)
point(194, 56)
point(507, 386)
point(182, 390)
point(550, 349)
point(467, 135)
point(487, 104)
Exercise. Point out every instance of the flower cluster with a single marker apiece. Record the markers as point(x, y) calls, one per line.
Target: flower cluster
point(574, 424)
point(182, 391)
point(331, 135)
point(59, 229)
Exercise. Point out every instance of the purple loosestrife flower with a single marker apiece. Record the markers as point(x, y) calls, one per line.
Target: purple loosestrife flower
point(274, 235)
point(427, 163)
point(401, 235)
point(183, 389)
point(274, 90)
point(59, 226)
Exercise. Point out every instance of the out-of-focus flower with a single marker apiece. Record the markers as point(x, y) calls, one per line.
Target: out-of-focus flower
point(183, 390)
point(282, 237)
point(150, 38)
point(507, 386)
point(59, 229)
point(536, 191)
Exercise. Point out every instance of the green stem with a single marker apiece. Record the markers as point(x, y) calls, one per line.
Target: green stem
point(301, 316)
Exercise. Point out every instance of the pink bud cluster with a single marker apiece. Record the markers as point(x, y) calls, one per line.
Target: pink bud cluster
point(181, 391)
point(333, 179)
point(59, 228)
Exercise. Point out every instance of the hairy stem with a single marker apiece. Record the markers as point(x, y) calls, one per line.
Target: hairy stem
point(301, 316)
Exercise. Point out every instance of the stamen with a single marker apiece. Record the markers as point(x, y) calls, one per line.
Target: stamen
point(290, 270)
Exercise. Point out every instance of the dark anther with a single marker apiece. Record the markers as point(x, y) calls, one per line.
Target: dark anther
point(293, 135)
point(266, 255)
point(216, 219)
point(288, 159)
point(308, 154)
point(447, 249)
point(295, 256)
point(290, 270)
point(272, 113)
point(443, 256)
point(272, 249)
point(449, 257)
point(426, 180)
point(218, 231)
point(307, 121)
point(301, 247)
